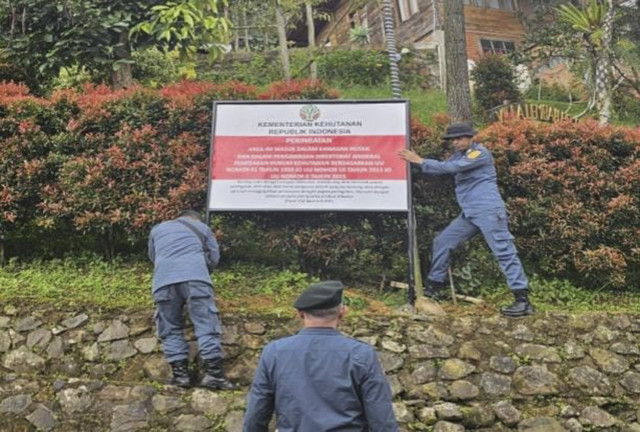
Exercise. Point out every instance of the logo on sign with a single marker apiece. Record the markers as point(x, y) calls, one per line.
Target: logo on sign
point(309, 113)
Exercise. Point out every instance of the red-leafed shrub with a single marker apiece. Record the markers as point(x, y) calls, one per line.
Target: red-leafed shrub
point(92, 97)
point(137, 179)
point(299, 90)
point(11, 92)
point(573, 192)
point(108, 164)
point(24, 167)
point(111, 164)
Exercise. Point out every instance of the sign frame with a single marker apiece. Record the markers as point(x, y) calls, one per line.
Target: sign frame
point(409, 196)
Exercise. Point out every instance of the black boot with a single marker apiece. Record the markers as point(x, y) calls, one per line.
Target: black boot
point(435, 290)
point(180, 370)
point(213, 378)
point(521, 306)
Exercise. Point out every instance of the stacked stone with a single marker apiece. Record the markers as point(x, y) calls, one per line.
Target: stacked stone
point(70, 371)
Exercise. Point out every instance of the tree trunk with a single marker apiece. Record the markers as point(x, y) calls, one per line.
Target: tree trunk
point(109, 244)
point(311, 27)
point(122, 77)
point(282, 39)
point(456, 66)
point(2, 259)
point(247, 47)
point(603, 70)
point(236, 32)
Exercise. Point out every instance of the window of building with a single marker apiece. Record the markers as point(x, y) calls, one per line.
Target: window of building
point(508, 5)
point(497, 46)
point(407, 8)
point(352, 20)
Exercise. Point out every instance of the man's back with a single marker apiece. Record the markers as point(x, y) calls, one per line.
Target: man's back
point(178, 254)
point(320, 380)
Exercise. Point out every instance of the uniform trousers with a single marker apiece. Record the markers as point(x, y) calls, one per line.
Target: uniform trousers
point(200, 301)
point(494, 227)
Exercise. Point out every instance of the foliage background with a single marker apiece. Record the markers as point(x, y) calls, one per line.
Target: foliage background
point(94, 169)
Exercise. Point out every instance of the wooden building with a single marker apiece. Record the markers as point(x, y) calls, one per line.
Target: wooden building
point(492, 26)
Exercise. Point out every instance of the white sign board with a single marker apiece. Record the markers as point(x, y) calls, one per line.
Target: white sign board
point(324, 156)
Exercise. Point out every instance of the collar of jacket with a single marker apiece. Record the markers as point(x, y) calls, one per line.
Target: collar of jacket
point(319, 331)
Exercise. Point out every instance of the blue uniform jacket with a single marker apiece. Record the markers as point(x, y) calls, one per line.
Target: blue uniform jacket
point(320, 381)
point(474, 176)
point(177, 253)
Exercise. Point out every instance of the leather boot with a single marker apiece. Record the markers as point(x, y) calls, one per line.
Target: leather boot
point(213, 377)
point(435, 290)
point(181, 376)
point(520, 306)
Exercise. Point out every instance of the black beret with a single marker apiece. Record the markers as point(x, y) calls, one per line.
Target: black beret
point(323, 295)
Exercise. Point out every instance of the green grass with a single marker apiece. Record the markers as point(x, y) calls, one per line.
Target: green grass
point(251, 289)
point(77, 282)
point(92, 281)
point(424, 103)
point(561, 295)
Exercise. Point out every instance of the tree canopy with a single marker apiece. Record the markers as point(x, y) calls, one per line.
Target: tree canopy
point(41, 37)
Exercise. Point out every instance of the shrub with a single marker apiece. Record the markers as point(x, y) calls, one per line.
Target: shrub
point(102, 165)
point(349, 67)
point(494, 82)
point(299, 90)
point(153, 68)
point(626, 105)
point(127, 182)
point(554, 92)
point(258, 69)
point(573, 193)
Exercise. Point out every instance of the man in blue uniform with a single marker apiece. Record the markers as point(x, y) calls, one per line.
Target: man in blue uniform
point(184, 251)
point(320, 380)
point(483, 211)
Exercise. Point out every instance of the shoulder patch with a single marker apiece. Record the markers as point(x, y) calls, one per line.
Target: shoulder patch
point(474, 154)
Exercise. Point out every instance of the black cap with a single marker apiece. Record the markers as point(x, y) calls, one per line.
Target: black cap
point(457, 130)
point(323, 295)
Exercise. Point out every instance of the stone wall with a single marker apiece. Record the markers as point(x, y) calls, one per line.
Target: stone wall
point(93, 371)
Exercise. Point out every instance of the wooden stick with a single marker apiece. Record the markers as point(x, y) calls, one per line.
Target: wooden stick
point(469, 299)
point(462, 297)
point(453, 290)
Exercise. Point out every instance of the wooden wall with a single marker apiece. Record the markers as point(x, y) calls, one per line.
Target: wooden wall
point(481, 23)
point(337, 31)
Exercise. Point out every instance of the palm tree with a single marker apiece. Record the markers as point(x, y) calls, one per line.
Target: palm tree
point(594, 22)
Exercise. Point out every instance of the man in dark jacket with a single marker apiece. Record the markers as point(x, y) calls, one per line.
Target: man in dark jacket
point(320, 380)
point(483, 211)
point(184, 251)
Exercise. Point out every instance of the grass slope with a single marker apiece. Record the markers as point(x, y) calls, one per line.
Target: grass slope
point(250, 289)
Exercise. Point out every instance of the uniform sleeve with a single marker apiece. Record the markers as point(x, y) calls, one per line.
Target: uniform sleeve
point(376, 398)
point(465, 163)
point(151, 248)
point(261, 398)
point(213, 251)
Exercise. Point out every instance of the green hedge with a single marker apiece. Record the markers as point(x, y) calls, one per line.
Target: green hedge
point(93, 170)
